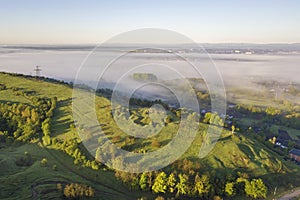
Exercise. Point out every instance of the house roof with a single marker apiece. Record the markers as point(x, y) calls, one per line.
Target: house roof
point(295, 152)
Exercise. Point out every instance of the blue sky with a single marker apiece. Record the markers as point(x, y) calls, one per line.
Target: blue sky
point(204, 21)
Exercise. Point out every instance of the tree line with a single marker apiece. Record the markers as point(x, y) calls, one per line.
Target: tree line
point(185, 180)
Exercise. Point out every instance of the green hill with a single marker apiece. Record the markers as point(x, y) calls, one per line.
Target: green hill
point(24, 175)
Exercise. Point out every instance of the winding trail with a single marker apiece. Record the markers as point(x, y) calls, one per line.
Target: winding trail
point(290, 195)
point(34, 193)
point(120, 194)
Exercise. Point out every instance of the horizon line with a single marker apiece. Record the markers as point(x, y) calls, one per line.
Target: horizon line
point(203, 43)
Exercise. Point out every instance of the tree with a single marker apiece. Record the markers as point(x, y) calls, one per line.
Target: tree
point(201, 185)
point(59, 186)
point(94, 165)
point(78, 191)
point(256, 189)
point(182, 185)
point(143, 181)
point(26, 113)
point(44, 162)
point(213, 118)
point(207, 117)
point(171, 182)
point(273, 140)
point(229, 189)
point(46, 140)
point(159, 185)
point(232, 129)
point(34, 116)
point(46, 127)
point(216, 120)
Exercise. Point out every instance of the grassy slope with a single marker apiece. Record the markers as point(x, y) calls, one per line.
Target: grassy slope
point(40, 182)
point(18, 180)
point(231, 152)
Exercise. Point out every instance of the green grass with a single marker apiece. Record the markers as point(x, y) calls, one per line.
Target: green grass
point(22, 182)
point(8, 95)
point(232, 153)
point(40, 87)
point(293, 133)
point(247, 121)
point(17, 182)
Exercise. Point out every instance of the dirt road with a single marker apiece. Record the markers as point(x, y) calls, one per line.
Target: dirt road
point(290, 195)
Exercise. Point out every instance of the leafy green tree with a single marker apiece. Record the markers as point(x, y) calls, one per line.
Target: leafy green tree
point(160, 185)
point(229, 189)
point(26, 112)
point(213, 118)
point(182, 186)
point(34, 116)
point(143, 181)
point(44, 162)
point(232, 129)
point(256, 189)
point(94, 165)
point(46, 140)
point(171, 182)
point(201, 185)
point(216, 120)
point(46, 127)
point(78, 191)
point(273, 140)
point(207, 117)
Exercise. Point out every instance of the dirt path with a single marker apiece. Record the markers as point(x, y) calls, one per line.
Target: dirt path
point(34, 193)
point(290, 195)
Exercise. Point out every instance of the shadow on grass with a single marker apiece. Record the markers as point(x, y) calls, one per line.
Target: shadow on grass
point(62, 118)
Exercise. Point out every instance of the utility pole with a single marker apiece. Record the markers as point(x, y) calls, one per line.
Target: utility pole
point(37, 71)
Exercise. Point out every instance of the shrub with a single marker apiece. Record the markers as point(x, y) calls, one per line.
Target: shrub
point(78, 191)
point(44, 162)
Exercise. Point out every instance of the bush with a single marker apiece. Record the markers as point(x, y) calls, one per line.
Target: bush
point(54, 167)
point(44, 162)
point(78, 191)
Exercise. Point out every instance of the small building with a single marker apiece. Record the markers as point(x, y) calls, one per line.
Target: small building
point(231, 106)
point(295, 154)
